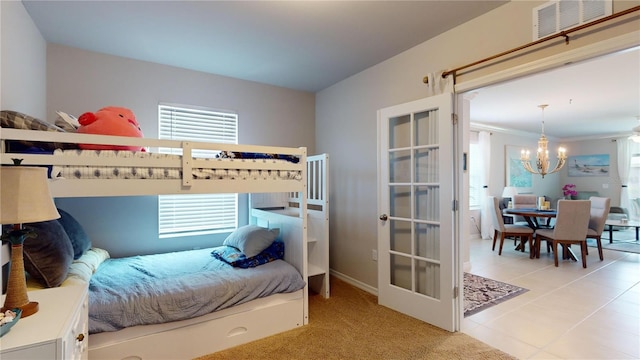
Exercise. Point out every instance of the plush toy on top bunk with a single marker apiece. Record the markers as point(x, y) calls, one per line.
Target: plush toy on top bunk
point(110, 120)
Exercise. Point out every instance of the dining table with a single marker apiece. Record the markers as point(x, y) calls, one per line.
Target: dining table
point(531, 215)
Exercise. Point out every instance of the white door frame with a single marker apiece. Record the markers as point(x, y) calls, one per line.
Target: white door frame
point(463, 89)
point(604, 47)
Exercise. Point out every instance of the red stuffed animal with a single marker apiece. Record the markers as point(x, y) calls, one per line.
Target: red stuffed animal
point(110, 120)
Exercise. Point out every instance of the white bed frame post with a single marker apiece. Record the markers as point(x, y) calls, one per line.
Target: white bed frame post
point(305, 243)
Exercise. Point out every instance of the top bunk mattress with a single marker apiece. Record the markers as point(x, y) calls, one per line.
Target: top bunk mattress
point(210, 167)
point(184, 166)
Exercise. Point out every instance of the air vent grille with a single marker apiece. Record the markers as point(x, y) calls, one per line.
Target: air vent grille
point(556, 16)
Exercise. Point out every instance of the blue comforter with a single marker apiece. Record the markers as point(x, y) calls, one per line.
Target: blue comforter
point(159, 288)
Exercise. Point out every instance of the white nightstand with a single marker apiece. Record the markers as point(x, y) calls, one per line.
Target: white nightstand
point(59, 330)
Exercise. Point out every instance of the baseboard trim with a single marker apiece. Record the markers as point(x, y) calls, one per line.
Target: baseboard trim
point(351, 281)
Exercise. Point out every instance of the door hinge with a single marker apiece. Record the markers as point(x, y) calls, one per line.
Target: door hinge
point(454, 119)
point(454, 205)
point(455, 292)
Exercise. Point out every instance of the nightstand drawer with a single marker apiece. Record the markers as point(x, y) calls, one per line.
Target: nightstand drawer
point(54, 331)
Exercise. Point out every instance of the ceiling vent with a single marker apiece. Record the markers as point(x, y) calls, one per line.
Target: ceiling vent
point(556, 16)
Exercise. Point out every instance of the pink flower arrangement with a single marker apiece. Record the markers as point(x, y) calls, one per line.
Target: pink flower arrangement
point(569, 190)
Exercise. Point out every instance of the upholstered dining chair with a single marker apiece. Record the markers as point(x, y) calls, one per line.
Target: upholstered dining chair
point(599, 211)
point(572, 224)
point(523, 201)
point(523, 232)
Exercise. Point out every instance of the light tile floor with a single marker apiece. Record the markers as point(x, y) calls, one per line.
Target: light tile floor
point(568, 313)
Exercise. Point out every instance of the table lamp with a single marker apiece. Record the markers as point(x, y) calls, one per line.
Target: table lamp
point(509, 192)
point(24, 198)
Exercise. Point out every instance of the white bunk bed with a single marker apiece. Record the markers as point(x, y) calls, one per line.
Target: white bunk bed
point(221, 329)
point(267, 210)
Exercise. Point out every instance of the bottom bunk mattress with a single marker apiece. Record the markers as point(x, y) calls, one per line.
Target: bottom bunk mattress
point(159, 288)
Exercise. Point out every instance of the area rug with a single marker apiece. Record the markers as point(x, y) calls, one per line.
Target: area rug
point(623, 240)
point(481, 293)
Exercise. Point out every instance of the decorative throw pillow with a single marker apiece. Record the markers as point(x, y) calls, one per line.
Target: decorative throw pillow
point(235, 258)
point(68, 123)
point(47, 257)
point(251, 240)
point(79, 239)
point(18, 120)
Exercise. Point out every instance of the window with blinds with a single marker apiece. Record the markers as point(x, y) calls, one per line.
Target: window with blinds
point(184, 215)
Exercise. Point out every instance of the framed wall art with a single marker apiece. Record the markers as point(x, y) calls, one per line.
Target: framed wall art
point(515, 174)
point(588, 165)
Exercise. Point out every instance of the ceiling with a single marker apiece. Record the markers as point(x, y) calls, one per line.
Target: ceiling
point(302, 45)
point(594, 98)
point(311, 45)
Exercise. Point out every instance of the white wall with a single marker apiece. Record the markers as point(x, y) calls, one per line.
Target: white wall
point(609, 184)
point(22, 61)
point(550, 185)
point(349, 108)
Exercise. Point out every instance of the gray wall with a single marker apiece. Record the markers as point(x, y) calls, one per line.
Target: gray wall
point(80, 81)
point(23, 63)
point(349, 107)
point(608, 185)
point(40, 78)
point(345, 115)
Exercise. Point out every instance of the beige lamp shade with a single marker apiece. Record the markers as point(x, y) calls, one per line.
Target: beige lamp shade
point(25, 195)
point(509, 191)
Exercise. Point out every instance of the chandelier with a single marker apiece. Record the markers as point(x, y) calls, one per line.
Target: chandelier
point(542, 156)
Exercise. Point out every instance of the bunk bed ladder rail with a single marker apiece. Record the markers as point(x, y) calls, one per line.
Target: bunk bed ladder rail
point(317, 183)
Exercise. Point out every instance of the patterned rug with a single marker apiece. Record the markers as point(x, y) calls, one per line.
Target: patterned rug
point(481, 293)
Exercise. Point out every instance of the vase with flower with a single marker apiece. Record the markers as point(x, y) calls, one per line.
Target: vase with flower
point(569, 191)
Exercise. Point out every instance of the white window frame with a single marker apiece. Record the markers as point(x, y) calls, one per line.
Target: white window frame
point(633, 189)
point(196, 214)
point(475, 175)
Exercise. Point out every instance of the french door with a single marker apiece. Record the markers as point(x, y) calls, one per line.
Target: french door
point(416, 210)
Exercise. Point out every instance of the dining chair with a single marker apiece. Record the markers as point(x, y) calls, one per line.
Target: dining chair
point(572, 224)
point(523, 201)
point(599, 211)
point(524, 233)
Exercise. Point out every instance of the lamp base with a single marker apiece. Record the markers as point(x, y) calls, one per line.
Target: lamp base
point(17, 296)
point(28, 309)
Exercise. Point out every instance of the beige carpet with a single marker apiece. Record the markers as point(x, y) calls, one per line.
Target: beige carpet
point(351, 325)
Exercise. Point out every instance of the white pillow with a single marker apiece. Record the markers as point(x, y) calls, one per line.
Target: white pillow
point(67, 122)
point(251, 240)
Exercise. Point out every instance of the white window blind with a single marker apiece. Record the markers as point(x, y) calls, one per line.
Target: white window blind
point(181, 215)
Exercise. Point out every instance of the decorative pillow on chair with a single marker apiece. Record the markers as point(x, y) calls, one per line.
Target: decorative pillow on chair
point(78, 237)
point(251, 240)
point(47, 257)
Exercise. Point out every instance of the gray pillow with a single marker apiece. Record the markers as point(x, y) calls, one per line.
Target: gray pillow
point(251, 240)
point(47, 257)
point(78, 237)
point(17, 120)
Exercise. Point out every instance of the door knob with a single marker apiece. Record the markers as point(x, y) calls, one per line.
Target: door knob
point(383, 217)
